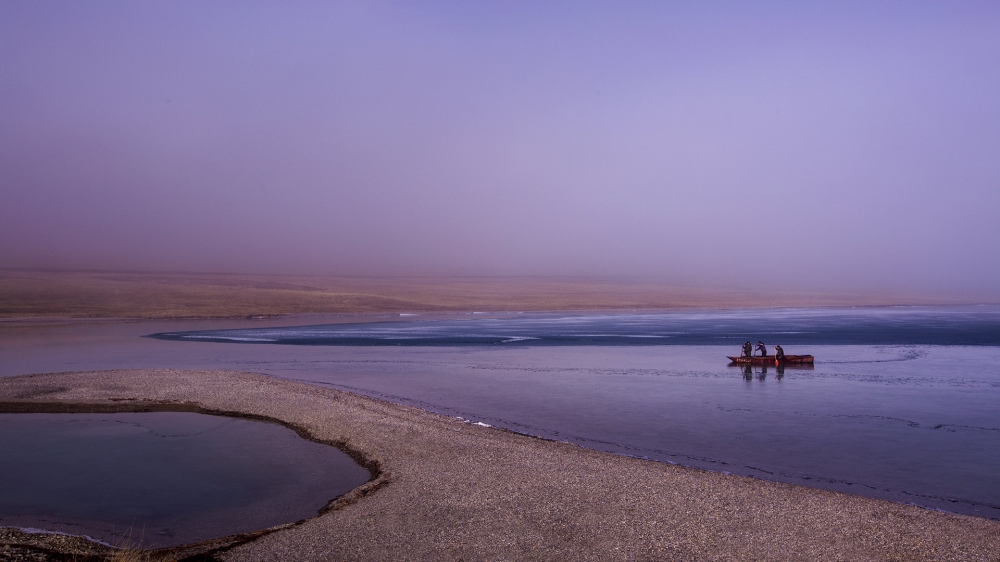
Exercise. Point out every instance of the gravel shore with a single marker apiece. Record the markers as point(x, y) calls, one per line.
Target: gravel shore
point(443, 489)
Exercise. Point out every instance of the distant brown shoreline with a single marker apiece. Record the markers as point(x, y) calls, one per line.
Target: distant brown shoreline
point(125, 295)
point(444, 489)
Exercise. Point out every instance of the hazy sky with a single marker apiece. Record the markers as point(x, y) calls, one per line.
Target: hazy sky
point(846, 146)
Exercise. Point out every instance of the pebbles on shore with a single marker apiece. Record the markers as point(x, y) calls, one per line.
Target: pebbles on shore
point(444, 489)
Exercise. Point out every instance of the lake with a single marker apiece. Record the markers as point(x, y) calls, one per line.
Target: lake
point(902, 402)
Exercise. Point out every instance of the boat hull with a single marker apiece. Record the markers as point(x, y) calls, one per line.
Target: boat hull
point(772, 360)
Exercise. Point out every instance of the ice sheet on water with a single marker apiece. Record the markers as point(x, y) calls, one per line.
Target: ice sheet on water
point(824, 326)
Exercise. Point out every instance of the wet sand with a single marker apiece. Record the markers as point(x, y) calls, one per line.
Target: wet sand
point(448, 490)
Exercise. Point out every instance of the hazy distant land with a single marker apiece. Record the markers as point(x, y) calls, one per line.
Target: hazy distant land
point(26, 294)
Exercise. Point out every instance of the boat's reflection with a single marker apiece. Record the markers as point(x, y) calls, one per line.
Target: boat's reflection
point(761, 371)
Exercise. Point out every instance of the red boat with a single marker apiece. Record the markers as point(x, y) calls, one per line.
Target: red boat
point(772, 360)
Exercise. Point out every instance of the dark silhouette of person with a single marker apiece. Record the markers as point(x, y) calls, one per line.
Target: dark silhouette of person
point(761, 349)
point(748, 349)
point(779, 353)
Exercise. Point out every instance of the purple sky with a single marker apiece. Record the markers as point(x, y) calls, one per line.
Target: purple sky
point(829, 147)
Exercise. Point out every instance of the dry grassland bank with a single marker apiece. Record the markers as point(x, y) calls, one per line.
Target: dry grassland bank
point(145, 295)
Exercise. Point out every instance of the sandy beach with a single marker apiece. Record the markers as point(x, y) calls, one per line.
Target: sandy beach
point(445, 489)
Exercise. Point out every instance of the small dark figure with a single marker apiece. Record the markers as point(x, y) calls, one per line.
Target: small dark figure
point(779, 354)
point(748, 349)
point(761, 348)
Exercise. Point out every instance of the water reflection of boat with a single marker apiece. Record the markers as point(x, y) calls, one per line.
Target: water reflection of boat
point(749, 369)
point(788, 360)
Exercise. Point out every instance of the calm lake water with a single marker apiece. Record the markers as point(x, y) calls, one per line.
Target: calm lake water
point(162, 479)
point(902, 404)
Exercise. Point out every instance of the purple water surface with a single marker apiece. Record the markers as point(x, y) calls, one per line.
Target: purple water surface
point(910, 422)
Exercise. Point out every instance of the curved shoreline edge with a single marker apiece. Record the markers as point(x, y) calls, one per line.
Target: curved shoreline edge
point(445, 489)
point(43, 540)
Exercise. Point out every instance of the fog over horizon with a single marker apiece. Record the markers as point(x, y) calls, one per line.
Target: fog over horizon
point(824, 147)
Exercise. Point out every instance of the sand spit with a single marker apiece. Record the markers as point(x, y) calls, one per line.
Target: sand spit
point(448, 490)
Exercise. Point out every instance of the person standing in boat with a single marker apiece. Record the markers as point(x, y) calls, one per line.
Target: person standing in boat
point(761, 349)
point(779, 354)
point(748, 349)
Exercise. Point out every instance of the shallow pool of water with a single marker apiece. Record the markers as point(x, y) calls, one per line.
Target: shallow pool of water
point(162, 479)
